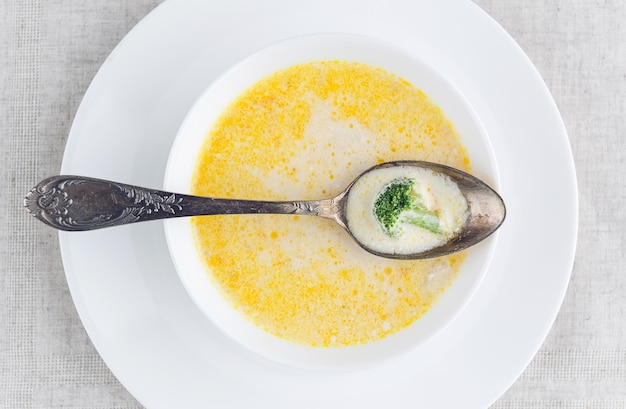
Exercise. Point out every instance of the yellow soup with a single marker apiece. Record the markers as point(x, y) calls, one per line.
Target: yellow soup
point(306, 132)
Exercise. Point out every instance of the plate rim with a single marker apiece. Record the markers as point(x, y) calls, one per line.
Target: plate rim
point(66, 241)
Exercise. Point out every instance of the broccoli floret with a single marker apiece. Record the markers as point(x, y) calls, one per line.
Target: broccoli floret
point(399, 203)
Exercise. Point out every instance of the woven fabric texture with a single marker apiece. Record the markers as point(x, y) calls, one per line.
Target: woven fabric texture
point(50, 51)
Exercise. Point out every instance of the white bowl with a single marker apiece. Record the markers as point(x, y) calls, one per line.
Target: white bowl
point(193, 132)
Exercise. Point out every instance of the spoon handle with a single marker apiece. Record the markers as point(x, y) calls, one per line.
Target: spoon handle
point(76, 203)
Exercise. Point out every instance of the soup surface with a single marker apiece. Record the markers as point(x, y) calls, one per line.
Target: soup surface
point(306, 132)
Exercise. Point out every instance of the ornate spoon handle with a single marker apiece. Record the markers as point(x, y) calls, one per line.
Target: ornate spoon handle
point(76, 203)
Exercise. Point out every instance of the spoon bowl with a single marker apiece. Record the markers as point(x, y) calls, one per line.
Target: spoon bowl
point(486, 211)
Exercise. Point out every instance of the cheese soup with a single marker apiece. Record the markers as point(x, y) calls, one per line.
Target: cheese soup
point(306, 132)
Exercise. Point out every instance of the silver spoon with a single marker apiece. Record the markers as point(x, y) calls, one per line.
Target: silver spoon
point(76, 203)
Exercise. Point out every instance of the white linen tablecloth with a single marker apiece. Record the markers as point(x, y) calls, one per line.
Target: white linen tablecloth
point(51, 49)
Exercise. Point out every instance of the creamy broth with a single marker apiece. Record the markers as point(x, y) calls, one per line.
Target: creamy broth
point(305, 133)
point(438, 193)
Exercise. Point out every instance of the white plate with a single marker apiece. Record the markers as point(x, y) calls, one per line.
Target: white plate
point(123, 282)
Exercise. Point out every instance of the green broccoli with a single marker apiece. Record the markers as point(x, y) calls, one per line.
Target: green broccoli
point(399, 203)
